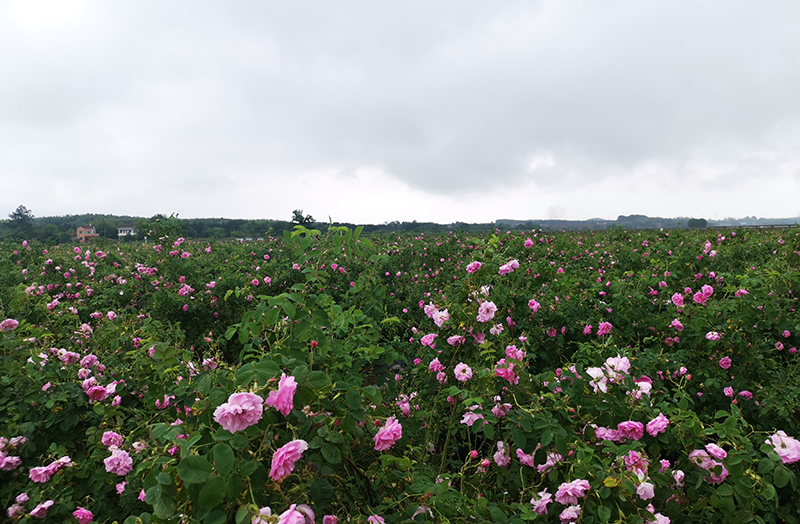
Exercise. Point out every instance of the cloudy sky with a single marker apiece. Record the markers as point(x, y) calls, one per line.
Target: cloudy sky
point(370, 111)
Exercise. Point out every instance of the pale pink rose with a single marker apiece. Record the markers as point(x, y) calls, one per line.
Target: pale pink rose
point(435, 365)
point(631, 429)
point(456, 340)
point(570, 514)
point(375, 519)
point(97, 393)
point(725, 362)
point(330, 519)
point(716, 451)
point(285, 457)
point(604, 328)
point(657, 425)
point(291, 516)
point(83, 515)
point(786, 447)
point(40, 474)
point(501, 456)
point(677, 299)
point(8, 324)
point(119, 462)
point(470, 417)
point(569, 492)
point(462, 372)
point(524, 458)
point(486, 311)
point(390, 433)
point(645, 490)
point(540, 503)
point(473, 267)
point(40, 511)
point(111, 439)
point(428, 340)
point(240, 412)
point(283, 398)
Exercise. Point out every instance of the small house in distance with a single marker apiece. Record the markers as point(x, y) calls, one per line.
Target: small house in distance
point(125, 231)
point(86, 233)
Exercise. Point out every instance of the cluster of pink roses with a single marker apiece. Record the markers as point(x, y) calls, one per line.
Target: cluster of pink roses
point(9, 462)
point(42, 474)
point(704, 459)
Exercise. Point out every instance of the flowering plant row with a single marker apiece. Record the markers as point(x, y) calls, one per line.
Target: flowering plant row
point(637, 377)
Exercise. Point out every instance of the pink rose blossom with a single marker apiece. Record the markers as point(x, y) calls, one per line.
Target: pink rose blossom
point(540, 503)
point(8, 324)
point(525, 459)
point(111, 439)
point(486, 311)
point(631, 429)
point(291, 516)
point(716, 451)
point(786, 447)
point(725, 362)
point(285, 457)
point(83, 515)
point(435, 365)
point(119, 463)
point(283, 398)
point(604, 328)
point(570, 514)
point(241, 411)
point(501, 456)
point(456, 340)
point(40, 511)
point(657, 425)
point(462, 372)
point(569, 492)
point(473, 267)
point(388, 435)
point(645, 490)
point(712, 335)
point(40, 474)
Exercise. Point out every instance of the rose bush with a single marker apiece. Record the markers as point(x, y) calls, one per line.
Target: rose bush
point(426, 378)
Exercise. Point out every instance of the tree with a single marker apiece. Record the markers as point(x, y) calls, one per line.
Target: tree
point(697, 223)
point(298, 218)
point(22, 220)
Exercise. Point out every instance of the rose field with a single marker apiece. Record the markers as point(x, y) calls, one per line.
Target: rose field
point(619, 376)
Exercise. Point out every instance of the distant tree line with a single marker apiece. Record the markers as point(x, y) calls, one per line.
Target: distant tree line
point(22, 224)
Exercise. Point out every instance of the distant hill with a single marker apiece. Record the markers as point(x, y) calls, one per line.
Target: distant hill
point(62, 228)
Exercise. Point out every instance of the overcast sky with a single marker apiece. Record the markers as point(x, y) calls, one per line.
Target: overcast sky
point(372, 111)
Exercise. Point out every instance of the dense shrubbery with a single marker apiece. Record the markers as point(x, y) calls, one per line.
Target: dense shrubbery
point(613, 377)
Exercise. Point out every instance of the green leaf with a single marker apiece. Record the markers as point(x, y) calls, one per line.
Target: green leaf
point(164, 478)
point(725, 490)
point(194, 469)
point(561, 445)
point(242, 514)
point(603, 513)
point(353, 398)
point(547, 437)
point(212, 493)
point(781, 476)
point(223, 459)
point(519, 438)
point(765, 466)
point(321, 493)
point(331, 453)
point(216, 517)
point(153, 495)
point(769, 492)
point(248, 468)
point(164, 508)
point(289, 308)
point(488, 430)
point(318, 379)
